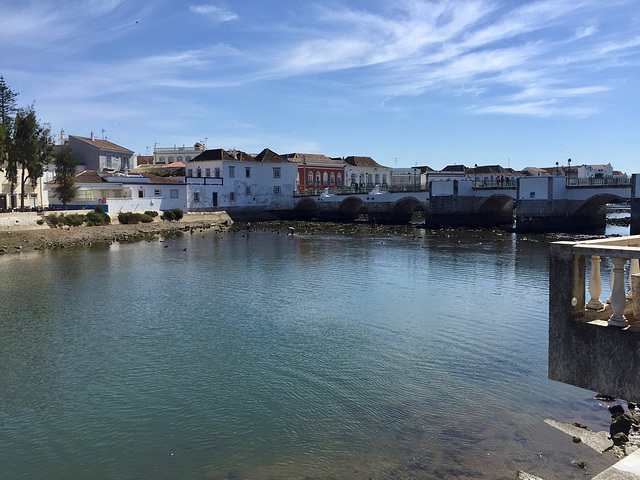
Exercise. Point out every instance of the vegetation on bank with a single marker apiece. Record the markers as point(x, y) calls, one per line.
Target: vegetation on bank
point(99, 217)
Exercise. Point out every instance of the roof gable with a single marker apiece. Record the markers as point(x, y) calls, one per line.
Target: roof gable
point(269, 156)
point(361, 161)
point(103, 144)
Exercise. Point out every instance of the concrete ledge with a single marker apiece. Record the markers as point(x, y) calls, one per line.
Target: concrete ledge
point(626, 469)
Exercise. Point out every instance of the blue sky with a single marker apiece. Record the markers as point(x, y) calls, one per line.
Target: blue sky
point(427, 82)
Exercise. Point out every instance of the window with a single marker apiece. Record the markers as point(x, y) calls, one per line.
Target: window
point(276, 190)
point(384, 178)
point(377, 178)
point(170, 159)
point(332, 179)
point(232, 196)
point(199, 172)
point(207, 172)
point(108, 161)
point(325, 179)
point(187, 158)
point(318, 178)
point(217, 173)
point(353, 179)
point(248, 191)
point(310, 180)
point(179, 159)
point(161, 160)
point(140, 193)
point(247, 172)
point(173, 193)
point(190, 172)
point(276, 172)
point(232, 172)
point(157, 192)
point(339, 179)
point(196, 197)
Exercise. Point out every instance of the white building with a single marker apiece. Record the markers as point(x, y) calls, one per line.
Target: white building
point(123, 192)
point(167, 155)
point(595, 171)
point(365, 171)
point(218, 179)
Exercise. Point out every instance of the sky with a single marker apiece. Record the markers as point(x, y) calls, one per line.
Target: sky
point(409, 82)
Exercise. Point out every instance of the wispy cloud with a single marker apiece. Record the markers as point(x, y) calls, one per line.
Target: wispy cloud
point(214, 12)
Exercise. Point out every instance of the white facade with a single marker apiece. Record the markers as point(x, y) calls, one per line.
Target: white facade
point(595, 171)
point(167, 155)
point(213, 184)
point(366, 175)
point(408, 177)
point(123, 193)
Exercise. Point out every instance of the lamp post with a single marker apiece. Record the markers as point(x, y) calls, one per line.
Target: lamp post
point(569, 173)
point(475, 175)
point(557, 171)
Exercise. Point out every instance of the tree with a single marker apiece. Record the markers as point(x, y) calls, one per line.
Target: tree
point(7, 102)
point(66, 164)
point(29, 150)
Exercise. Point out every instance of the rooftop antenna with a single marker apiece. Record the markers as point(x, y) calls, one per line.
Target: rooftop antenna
point(103, 132)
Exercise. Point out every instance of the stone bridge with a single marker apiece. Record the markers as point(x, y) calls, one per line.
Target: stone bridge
point(535, 204)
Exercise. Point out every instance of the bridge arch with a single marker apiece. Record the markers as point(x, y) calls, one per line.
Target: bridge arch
point(496, 210)
point(351, 207)
point(597, 204)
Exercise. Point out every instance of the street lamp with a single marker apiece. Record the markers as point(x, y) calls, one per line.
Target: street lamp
point(475, 175)
point(569, 173)
point(557, 171)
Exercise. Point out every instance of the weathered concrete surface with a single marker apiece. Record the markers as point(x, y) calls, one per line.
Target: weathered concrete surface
point(590, 355)
point(635, 204)
point(526, 476)
point(599, 441)
point(626, 469)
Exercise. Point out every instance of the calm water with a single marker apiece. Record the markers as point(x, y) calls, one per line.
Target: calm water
point(270, 356)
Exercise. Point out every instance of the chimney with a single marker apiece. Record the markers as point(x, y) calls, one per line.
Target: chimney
point(92, 138)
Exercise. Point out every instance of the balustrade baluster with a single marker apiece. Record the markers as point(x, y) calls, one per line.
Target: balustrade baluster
point(618, 297)
point(595, 285)
point(634, 267)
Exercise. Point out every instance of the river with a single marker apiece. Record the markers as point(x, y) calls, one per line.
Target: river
point(263, 355)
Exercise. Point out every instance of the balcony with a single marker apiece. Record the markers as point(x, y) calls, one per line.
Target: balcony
point(594, 333)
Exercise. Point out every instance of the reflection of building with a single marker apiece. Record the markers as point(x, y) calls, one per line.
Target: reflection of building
point(365, 171)
point(317, 171)
point(165, 156)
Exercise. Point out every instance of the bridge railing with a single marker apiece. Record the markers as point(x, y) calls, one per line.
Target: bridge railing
point(479, 184)
point(595, 182)
point(360, 189)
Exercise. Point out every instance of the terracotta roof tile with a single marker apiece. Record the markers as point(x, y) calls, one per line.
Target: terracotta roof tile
point(103, 144)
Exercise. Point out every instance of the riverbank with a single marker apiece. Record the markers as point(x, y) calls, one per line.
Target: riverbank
point(20, 233)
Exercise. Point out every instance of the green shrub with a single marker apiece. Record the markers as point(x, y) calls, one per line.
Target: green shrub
point(98, 209)
point(96, 217)
point(178, 213)
point(151, 213)
point(131, 217)
point(54, 219)
point(74, 220)
point(40, 221)
point(144, 218)
point(169, 216)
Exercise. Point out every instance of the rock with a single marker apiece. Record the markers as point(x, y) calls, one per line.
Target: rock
point(526, 476)
point(616, 410)
point(579, 463)
point(620, 424)
point(576, 439)
point(619, 439)
point(604, 398)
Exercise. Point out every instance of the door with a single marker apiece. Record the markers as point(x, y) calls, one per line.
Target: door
point(3, 202)
point(214, 200)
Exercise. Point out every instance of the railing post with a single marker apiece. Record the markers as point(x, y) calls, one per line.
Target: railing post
point(634, 267)
point(618, 297)
point(595, 285)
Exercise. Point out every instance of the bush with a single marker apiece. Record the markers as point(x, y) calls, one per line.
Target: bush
point(173, 215)
point(74, 220)
point(40, 221)
point(131, 218)
point(97, 217)
point(151, 213)
point(169, 216)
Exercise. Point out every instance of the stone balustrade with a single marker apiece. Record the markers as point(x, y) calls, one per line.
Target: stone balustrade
point(624, 253)
point(594, 342)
